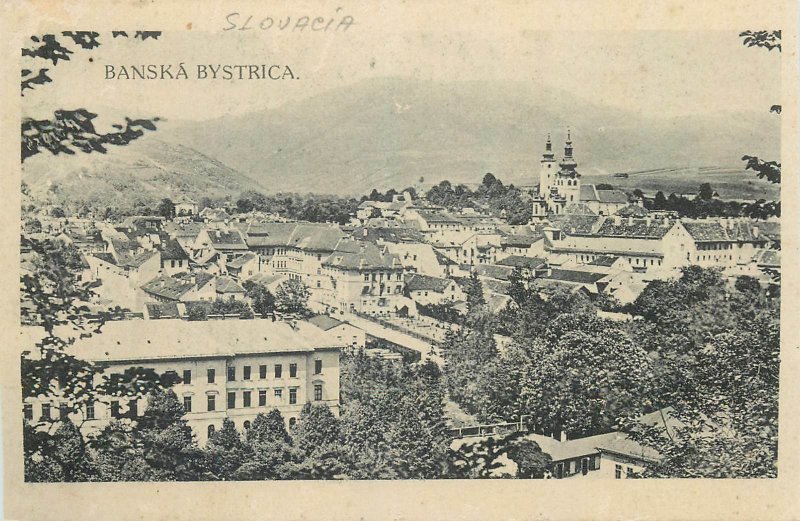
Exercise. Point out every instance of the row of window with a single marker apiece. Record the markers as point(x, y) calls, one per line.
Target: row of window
point(379, 276)
point(247, 372)
point(90, 413)
point(247, 398)
point(133, 409)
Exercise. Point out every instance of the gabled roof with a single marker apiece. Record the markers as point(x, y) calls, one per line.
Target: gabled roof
point(168, 287)
point(395, 235)
point(361, 255)
point(574, 276)
point(707, 231)
point(612, 196)
point(324, 322)
point(638, 228)
point(241, 260)
point(418, 282)
point(494, 271)
point(315, 237)
point(523, 262)
point(576, 224)
point(438, 217)
point(520, 241)
point(171, 250)
point(632, 210)
point(229, 239)
point(443, 259)
point(578, 209)
point(227, 285)
point(126, 340)
point(603, 260)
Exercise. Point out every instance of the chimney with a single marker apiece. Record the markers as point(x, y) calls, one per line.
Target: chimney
point(648, 220)
point(755, 232)
point(563, 436)
point(630, 220)
point(617, 220)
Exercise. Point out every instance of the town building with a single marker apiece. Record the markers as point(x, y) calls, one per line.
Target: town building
point(231, 369)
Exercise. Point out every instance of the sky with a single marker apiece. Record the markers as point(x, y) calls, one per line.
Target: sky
point(666, 73)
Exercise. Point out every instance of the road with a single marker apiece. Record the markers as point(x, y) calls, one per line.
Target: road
point(380, 331)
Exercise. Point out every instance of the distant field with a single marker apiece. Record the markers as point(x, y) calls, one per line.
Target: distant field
point(730, 183)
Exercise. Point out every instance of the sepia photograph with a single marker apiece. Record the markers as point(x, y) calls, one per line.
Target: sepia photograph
point(280, 246)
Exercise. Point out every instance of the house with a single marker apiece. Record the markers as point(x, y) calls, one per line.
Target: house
point(232, 369)
point(426, 290)
point(214, 215)
point(613, 455)
point(185, 207)
point(121, 273)
point(244, 266)
point(173, 258)
point(226, 288)
point(530, 266)
point(223, 243)
point(340, 332)
point(363, 278)
point(183, 288)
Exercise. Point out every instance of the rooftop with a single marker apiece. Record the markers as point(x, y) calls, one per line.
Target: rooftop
point(128, 340)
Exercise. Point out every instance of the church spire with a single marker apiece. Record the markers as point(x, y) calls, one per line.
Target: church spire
point(548, 150)
point(568, 145)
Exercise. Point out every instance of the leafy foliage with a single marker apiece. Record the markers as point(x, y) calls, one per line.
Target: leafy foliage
point(70, 130)
point(770, 170)
point(263, 301)
point(492, 194)
point(292, 297)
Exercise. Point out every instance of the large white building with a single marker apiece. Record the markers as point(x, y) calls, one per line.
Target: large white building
point(231, 368)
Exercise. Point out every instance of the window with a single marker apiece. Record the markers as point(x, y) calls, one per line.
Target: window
point(212, 402)
point(559, 471)
point(262, 371)
point(292, 421)
point(292, 370)
point(617, 471)
point(115, 409)
point(278, 370)
point(90, 410)
point(28, 408)
point(628, 472)
point(278, 394)
point(231, 400)
point(231, 373)
point(133, 408)
point(246, 399)
point(366, 276)
point(187, 403)
point(584, 466)
point(247, 372)
point(594, 463)
point(317, 366)
point(211, 430)
point(292, 396)
point(247, 425)
point(187, 377)
point(317, 392)
point(262, 397)
point(45, 411)
point(211, 376)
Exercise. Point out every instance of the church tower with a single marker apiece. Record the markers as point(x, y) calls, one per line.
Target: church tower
point(547, 173)
point(568, 180)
